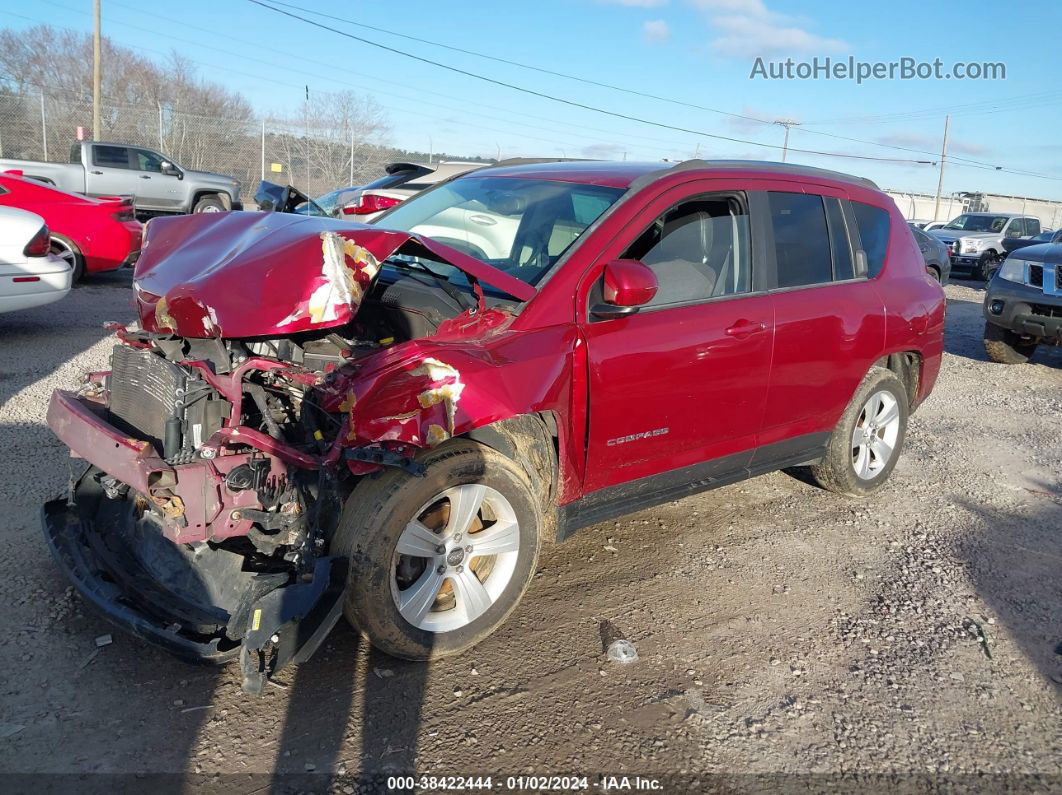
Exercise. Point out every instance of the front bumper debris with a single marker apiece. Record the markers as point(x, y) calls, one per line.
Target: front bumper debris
point(194, 601)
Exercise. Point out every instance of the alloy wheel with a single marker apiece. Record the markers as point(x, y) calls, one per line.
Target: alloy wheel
point(454, 559)
point(875, 434)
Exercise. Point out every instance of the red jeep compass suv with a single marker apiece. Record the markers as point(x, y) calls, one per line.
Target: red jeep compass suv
point(315, 417)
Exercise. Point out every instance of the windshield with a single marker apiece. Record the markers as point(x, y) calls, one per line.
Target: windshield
point(520, 226)
point(979, 223)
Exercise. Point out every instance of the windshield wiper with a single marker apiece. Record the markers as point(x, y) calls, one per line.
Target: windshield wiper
point(458, 295)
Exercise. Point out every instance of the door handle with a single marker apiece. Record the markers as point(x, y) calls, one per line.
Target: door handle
point(96, 172)
point(144, 176)
point(744, 328)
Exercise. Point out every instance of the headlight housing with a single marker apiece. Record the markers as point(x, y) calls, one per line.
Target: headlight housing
point(1013, 270)
point(972, 246)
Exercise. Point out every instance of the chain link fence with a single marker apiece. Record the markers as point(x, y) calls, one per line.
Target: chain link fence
point(314, 156)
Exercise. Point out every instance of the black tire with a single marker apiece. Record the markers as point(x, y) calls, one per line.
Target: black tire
point(209, 204)
point(986, 266)
point(64, 247)
point(836, 471)
point(374, 517)
point(933, 271)
point(1005, 347)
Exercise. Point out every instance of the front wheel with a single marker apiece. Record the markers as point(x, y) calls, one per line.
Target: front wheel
point(866, 443)
point(1005, 347)
point(986, 266)
point(437, 563)
point(209, 204)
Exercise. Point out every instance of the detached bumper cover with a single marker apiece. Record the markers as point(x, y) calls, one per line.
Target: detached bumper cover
point(68, 538)
point(198, 602)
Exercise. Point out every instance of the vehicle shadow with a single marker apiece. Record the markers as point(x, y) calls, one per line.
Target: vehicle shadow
point(1014, 559)
point(355, 713)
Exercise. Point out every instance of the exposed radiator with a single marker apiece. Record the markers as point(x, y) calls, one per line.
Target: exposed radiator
point(143, 394)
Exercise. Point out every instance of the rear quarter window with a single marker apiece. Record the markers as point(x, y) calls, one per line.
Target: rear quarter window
point(873, 223)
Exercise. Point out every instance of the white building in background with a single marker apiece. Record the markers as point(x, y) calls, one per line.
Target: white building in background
point(919, 206)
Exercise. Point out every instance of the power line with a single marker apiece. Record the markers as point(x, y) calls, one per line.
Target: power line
point(584, 106)
point(671, 100)
point(569, 102)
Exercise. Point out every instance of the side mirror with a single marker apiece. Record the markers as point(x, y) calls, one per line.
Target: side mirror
point(626, 287)
point(170, 170)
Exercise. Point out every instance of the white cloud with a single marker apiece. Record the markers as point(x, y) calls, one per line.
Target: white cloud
point(929, 143)
point(656, 31)
point(748, 28)
point(634, 3)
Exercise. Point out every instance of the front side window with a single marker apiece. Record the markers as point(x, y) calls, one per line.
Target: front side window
point(873, 223)
point(147, 161)
point(110, 156)
point(801, 239)
point(698, 250)
point(520, 226)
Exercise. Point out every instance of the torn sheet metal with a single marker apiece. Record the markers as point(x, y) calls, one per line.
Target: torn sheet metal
point(245, 274)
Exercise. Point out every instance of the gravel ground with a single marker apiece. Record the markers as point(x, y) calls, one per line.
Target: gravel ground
point(781, 629)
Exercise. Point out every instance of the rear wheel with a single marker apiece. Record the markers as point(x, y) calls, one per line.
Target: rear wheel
point(1006, 347)
point(866, 443)
point(68, 251)
point(437, 563)
point(933, 271)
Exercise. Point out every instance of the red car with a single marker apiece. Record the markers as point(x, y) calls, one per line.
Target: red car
point(390, 419)
point(93, 235)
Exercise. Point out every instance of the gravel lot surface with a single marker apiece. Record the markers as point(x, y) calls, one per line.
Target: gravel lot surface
point(781, 629)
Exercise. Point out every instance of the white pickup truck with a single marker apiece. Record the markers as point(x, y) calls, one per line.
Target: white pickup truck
point(157, 184)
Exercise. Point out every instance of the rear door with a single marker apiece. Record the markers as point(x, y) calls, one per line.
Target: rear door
point(829, 318)
point(682, 382)
point(108, 172)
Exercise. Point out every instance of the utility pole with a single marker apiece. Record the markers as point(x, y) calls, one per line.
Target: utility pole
point(787, 123)
point(943, 157)
point(97, 77)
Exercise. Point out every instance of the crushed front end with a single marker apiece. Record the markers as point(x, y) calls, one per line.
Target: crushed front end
point(197, 516)
point(208, 472)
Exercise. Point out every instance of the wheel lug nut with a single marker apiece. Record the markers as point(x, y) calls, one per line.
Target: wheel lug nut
point(468, 548)
point(460, 569)
point(441, 570)
point(440, 549)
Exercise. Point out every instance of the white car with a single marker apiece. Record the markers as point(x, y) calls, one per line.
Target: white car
point(30, 275)
point(401, 181)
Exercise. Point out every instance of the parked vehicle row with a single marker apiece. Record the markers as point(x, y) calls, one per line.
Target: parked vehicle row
point(388, 421)
point(91, 235)
point(157, 184)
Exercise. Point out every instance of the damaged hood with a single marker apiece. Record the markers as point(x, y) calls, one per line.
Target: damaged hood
point(248, 274)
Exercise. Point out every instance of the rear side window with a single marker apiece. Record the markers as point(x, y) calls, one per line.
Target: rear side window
point(1032, 226)
point(110, 156)
point(801, 239)
point(873, 225)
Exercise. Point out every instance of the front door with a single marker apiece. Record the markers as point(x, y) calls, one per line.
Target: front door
point(683, 382)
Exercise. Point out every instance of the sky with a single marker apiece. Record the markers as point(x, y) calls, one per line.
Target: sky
point(683, 52)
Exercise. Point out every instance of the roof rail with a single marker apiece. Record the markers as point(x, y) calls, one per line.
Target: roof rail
point(760, 165)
